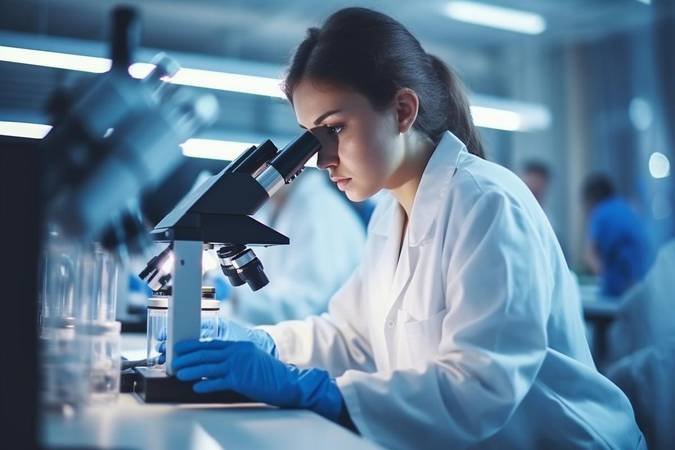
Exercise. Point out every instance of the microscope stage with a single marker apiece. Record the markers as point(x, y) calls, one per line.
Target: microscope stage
point(155, 386)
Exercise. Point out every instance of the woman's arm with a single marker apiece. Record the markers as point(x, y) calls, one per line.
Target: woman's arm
point(336, 341)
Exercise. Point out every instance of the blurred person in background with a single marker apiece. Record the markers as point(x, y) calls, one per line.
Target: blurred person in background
point(618, 248)
point(537, 177)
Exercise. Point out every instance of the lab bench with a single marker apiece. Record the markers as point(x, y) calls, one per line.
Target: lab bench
point(130, 423)
point(599, 312)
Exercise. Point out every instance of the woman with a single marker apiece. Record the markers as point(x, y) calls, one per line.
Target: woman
point(461, 326)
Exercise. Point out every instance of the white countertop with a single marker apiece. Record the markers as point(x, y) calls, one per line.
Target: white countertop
point(131, 424)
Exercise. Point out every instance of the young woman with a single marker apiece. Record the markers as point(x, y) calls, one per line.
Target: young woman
point(461, 326)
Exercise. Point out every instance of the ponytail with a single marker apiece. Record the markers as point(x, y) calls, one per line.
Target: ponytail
point(459, 120)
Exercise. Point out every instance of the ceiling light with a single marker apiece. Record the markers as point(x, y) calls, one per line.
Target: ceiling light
point(659, 165)
point(54, 59)
point(496, 17)
point(24, 129)
point(223, 81)
point(214, 149)
point(211, 79)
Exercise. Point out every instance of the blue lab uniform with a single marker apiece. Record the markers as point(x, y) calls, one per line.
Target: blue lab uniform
point(621, 243)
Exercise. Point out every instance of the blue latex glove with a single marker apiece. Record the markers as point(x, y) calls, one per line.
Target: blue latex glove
point(228, 331)
point(246, 369)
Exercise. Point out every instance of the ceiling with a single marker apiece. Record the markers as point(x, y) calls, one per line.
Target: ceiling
point(267, 31)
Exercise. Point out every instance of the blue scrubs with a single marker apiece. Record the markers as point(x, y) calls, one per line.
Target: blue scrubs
point(622, 244)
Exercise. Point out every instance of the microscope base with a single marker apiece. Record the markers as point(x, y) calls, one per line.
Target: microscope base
point(155, 386)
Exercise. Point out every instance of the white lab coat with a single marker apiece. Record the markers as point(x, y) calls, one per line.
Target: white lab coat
point(474, 338)
point(327, 239)
point(645, 317)
point(646, 376)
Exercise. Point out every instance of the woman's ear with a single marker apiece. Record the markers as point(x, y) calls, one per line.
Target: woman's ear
point(407, 105)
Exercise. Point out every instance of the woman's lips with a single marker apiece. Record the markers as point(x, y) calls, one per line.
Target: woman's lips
point(342, 182)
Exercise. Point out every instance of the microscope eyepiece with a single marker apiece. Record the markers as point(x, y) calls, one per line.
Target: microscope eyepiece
point(292, 159)
point(240, 265)
point(288, 163)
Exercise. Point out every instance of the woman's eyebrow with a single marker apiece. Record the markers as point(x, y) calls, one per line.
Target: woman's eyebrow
point(322, 117)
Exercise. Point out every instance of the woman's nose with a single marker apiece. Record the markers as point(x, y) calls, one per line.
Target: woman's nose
point(327, 157)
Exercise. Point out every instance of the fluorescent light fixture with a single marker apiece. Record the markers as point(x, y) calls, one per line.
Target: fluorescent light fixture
point(247, 84)
point(225, 150)
point(659, 165)
point(508, 115)
point(223, 81)
point(496, 17)
point(214, 149)
point(54, 59)
point(499, 119)
point(24, 129)
point(196, 148)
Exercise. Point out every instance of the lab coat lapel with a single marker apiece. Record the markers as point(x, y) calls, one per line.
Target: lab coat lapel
point(433, 187)
point(402, 276)
point(396, 267)
point(385, 231)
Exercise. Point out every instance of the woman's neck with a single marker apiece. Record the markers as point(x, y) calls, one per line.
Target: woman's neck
point(409, 175)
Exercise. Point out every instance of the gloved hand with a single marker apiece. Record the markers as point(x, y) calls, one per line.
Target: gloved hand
point(228, 331)
point(246, 369)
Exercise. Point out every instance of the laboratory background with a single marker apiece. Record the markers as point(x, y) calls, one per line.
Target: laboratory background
point(148, 153)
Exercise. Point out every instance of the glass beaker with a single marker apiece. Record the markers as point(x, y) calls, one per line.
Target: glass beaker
point(61, 367)
point(97, 285)
point(99, 344)
point(60, 265)
point(79, 340)
point(158, 313)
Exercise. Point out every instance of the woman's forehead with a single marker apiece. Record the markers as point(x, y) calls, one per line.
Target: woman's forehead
point(313, 99)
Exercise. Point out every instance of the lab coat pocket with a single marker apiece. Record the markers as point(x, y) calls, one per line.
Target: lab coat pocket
point(424, 337)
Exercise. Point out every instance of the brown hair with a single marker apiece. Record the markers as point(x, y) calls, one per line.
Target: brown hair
point(376, 56)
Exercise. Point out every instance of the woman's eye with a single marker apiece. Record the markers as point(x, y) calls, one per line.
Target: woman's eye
point(333, 131)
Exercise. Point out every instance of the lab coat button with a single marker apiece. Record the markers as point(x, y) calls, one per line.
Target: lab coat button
point(390, 324)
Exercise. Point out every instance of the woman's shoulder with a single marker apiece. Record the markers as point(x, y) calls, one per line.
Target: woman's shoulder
point(485, 188)
point(477, 177)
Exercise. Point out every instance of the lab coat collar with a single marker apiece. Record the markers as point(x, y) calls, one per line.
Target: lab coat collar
point(432, 190)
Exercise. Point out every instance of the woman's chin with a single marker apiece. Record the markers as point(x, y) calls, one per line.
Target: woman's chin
point(355, 195)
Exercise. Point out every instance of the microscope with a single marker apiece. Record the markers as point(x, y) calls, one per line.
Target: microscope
point(216, 214)
point(113, 138)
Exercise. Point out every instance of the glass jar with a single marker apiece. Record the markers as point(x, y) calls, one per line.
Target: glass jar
point(97, 285)
point(80, 363)
point(99, 345)
point(79, 280)
point(158, 313)
point(60, 262)
point(61, 368)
